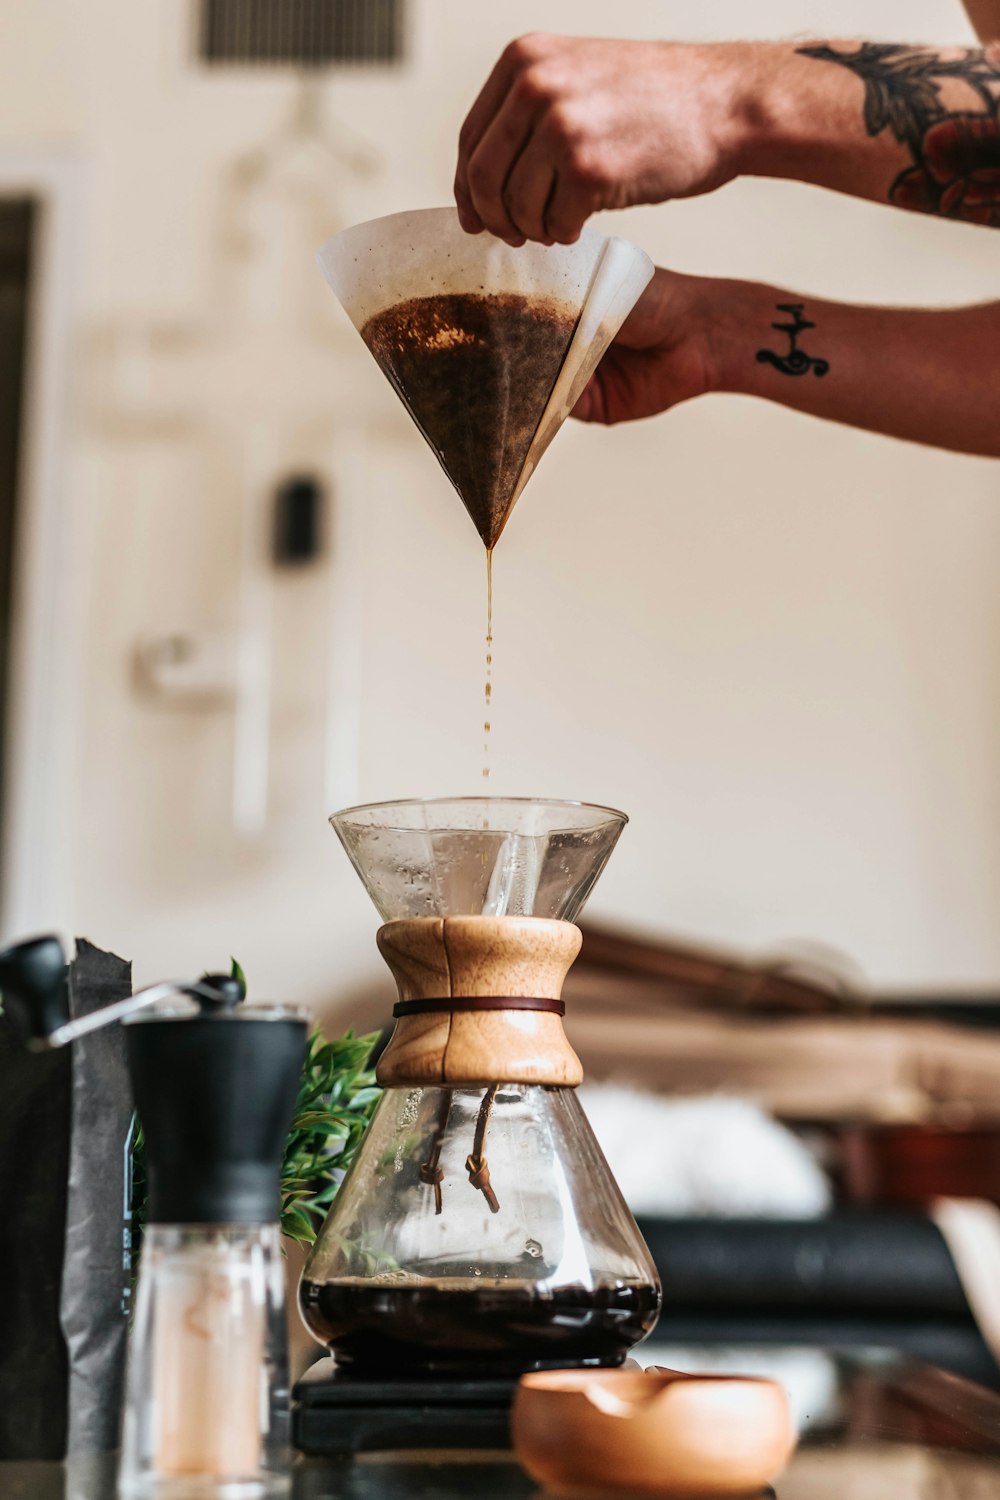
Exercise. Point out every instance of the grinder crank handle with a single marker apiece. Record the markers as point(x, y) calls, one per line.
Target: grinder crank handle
point(36, 995)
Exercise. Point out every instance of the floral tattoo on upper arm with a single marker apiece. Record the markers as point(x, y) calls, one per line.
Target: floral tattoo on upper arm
point(955, 147)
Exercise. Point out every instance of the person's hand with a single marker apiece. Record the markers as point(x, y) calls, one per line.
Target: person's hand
point(661, 355)
point(565, 126)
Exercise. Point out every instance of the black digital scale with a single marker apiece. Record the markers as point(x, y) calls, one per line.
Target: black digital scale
point(334, 1412)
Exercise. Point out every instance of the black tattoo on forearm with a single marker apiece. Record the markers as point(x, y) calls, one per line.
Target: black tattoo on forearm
point(954, 146)
point(795, 361)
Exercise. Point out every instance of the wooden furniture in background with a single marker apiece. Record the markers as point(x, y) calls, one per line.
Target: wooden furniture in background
point(905, 1088)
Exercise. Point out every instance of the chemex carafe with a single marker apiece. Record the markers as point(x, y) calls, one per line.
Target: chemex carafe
point(479, 1230)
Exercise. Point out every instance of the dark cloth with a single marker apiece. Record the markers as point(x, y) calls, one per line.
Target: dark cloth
point(65, 1128)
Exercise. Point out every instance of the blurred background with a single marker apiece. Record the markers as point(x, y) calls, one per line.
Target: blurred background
point(775, 643)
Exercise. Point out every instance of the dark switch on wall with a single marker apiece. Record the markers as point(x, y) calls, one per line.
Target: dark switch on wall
point(298, 521)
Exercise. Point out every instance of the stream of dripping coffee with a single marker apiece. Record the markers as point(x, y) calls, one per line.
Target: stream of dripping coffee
point(476, 371)
point(488, 690)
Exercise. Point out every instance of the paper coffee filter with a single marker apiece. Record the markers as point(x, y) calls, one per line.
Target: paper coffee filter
point(375, 266)
point(621, 273)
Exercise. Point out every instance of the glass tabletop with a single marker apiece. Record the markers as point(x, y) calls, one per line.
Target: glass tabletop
point(872, 1425)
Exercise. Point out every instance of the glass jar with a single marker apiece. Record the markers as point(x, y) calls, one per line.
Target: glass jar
point(206, 1402)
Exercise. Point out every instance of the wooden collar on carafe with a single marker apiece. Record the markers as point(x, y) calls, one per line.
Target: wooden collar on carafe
point(465, 958)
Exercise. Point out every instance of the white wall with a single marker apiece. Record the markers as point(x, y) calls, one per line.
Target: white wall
point(775, 643)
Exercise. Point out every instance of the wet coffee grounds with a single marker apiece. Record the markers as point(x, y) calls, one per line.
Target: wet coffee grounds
point(475, 373)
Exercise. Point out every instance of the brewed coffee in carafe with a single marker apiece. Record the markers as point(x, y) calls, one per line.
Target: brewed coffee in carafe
point(480, 1230)
point(426, 1269)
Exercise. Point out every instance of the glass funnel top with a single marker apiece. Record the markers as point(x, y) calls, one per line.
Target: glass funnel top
point(479, 856)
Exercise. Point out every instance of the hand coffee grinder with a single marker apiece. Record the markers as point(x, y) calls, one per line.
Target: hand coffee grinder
point(479, 1233)
point(215, 1083)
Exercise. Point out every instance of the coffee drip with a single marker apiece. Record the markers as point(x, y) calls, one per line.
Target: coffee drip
point(475, 372)
point(487, 347)
point(480, 1223)
point(488, 684)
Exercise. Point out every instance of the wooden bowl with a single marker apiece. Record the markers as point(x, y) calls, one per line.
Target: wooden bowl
point(651, 1432)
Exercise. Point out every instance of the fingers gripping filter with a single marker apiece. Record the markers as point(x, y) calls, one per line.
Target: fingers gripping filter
point(488, 348)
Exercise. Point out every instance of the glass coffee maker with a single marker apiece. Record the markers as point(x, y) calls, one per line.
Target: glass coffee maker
point(479, 1232)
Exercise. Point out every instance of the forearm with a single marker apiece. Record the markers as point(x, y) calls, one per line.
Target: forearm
point(566, 126)
point(918, 127)
point(925, 375)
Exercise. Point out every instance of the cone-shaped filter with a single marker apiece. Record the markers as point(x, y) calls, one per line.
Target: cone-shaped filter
point(479, 856)
point(487, 347)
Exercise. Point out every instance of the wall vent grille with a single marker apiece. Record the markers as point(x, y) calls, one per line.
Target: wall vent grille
point(300, 33)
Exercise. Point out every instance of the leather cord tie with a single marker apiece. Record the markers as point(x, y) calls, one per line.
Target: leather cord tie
point(450, 1003)
point(430, 1172)
point(479, 1176)
point(475, 1163)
